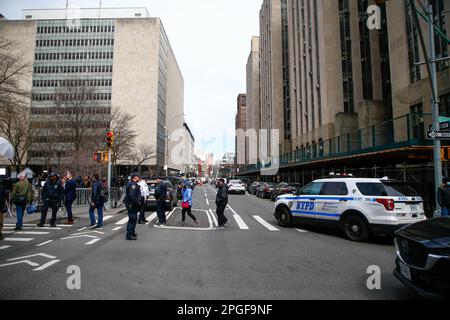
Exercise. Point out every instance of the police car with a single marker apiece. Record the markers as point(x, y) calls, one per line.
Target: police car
point(358, 206)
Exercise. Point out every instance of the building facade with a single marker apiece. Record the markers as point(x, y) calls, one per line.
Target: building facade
point(253, 101)
point(241, 124)
point(274, 76)
point(109, 59)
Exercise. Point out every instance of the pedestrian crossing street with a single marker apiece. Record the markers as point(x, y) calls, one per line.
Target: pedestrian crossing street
point(31, 234)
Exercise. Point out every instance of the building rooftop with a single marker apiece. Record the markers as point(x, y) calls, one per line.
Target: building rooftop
point(85, 13)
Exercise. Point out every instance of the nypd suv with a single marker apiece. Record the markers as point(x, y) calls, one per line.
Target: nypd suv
point(358, 206)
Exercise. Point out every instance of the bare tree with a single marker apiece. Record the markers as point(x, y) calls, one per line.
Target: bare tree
point(15, 127)
point(146, 153)
point(124, 135)
point(81, 120)
point(14, 113)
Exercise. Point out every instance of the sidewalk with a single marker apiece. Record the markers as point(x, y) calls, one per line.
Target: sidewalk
point(79, 212)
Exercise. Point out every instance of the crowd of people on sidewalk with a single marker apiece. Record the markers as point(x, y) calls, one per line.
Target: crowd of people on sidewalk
point(61, 190)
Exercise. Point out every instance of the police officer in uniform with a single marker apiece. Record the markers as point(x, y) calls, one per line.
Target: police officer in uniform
point(132, 202)
point(161, 196)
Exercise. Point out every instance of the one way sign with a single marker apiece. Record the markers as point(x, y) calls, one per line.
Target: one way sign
point(439, 135)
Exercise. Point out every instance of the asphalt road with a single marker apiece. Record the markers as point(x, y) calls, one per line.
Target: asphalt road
point(253, 259)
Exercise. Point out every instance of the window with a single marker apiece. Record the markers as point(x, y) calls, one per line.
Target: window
point(334, 189)
point(313, 189)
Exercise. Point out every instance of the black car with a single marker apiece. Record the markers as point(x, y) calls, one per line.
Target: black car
point(284, 188)
point(423, 258)
point(252, 187)
point(264, 189)
point(172, 195)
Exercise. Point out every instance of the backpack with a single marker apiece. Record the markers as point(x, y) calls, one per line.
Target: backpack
point(104, 194)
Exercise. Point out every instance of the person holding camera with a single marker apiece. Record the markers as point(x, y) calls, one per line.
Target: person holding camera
point(22, 195)
point(52, 196)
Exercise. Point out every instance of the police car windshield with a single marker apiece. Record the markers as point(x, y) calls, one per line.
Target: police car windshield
point(386, 189)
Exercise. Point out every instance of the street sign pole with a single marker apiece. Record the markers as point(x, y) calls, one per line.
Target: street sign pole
point(435, 106)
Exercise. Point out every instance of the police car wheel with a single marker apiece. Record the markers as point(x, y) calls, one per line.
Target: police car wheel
point(284, 217)
point(356, 229)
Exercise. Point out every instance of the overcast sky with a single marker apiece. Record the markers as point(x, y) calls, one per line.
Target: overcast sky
point(211, 40)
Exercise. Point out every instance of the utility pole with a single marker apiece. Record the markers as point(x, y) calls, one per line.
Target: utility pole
point(435, 104)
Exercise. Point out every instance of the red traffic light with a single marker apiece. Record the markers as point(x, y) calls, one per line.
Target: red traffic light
point(110, 134)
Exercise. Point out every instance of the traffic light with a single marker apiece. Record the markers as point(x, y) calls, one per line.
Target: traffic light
point(110, 139)
point(98, 157)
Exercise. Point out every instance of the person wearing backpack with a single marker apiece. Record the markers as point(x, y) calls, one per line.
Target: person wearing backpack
point(3, 208)
point(99, 197)
point(22, 195)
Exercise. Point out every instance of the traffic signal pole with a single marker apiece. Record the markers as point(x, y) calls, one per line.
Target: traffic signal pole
point(109, 178)
point(435, 105)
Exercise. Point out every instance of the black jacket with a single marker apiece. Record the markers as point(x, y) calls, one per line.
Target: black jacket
point(97, 192)
point(52, 192)
point(444, 196)
point(133, 195)
point(3, 199)
point(161, 191)
point(222, 197)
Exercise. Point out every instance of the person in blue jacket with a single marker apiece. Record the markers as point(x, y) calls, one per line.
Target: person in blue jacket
point(187, 203)
point(70, 195)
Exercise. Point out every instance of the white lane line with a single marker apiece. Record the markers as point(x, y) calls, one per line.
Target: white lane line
point(210, 216)
point(47, 265)
point(18, 239)
point(242, 225)
point(82, 229)
point(213, 216)
point(122, 222)
point(44, 243)
point(92, 242)
point(117, 229)
point(265, 223)
point(30, 233)
point(5, 247)
point(302, 231)
point(152, 217)
point(30, 228)
point(169, 214)
point(107, 218)
point(207, 202)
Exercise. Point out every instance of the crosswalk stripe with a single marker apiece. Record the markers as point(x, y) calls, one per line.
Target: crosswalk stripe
point(117, 229)
point(265, 223)
point(44, 243)
point(302, 231)
point(5, 247)
point(240, 222)
point(31, 228)
point(242, 225)
point(30, 233)
point(107, 218)
point(214, 219)
point(151, 218)
point(122, 222)
point(27, 225)
point(92, 242)
point(18, 239)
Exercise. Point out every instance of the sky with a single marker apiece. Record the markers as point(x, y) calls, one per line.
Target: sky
point(211, 41)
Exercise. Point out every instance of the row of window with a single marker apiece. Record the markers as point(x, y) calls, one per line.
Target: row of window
point(74, 55)
point(47, 154)
point(68, 125)
point(75, 43)
point(80, 29)
point(72, 83)
point(68, 111)
point(73, 69)
point(71, 97)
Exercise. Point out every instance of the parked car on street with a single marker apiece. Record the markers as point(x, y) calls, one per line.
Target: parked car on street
point(359, 207)
point(252, 187)
point(236, 187)
point(284, 188)
point(423, 258)
point(172, 195)
point(264, 190)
